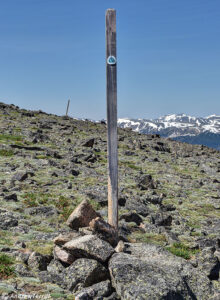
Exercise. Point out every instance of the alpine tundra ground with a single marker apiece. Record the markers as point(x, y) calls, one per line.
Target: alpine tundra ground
point(169, 198)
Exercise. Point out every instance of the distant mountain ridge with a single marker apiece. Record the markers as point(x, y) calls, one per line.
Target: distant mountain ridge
point(193, 130)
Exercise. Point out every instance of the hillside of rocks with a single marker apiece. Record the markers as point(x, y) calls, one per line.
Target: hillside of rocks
point(52, 167)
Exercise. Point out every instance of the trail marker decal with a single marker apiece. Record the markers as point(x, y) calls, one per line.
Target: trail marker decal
point(111, 60)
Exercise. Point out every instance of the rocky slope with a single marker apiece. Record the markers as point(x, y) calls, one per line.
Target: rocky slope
point(169, 211)
point(180, 127)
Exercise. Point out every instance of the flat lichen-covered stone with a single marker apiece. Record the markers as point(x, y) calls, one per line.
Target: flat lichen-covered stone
point(97, 291)
point(64, 238)
point(149, 272)
point(89, 246)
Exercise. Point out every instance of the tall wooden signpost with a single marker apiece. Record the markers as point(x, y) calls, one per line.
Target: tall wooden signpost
point(111, 95)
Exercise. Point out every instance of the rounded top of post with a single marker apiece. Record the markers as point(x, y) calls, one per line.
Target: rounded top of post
point(110, 10)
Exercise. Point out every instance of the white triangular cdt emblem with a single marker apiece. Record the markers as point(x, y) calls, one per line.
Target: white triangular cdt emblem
point(111, 60)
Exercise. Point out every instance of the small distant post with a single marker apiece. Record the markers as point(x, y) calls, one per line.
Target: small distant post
point(111, 96)
point(67, 108)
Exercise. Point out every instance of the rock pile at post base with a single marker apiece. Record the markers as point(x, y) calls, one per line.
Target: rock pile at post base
point(130, 271)
point(86, 263)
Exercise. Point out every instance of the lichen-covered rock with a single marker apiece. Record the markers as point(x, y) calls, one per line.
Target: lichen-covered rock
point(146, 182)
point(161, 219)
point(83, 273)
point(82, 215)
point(42, 210)
point(104, 230)
point(63, 256)
point(11, 197)
point(89, 246)
point(7, 219)
point(55, 267)
point(120, 247)
point(38, 262)
point(54, 274)
point(23, 255)
point(62, 239)
point(131, 217)
point(96, 291)
point(89, 143)
point(209, 263)
point(149, 272)
point(22, 270)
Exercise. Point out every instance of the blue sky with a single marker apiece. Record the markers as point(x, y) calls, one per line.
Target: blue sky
point(168, 56)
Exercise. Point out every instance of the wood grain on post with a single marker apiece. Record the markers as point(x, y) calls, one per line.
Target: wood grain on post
point(111, 95)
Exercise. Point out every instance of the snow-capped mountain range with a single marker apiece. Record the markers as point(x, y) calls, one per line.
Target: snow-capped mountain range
point(180, 127)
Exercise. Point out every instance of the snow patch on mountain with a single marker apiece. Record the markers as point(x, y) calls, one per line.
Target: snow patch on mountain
point(192, 125)
point(176, 125)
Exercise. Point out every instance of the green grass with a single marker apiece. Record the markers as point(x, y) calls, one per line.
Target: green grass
point(182, 250)
point(57, 295)
point(6, 153)
point(65, 205)
point(5, 238)
point(17, 129)
point(95, 204)
point(30, 199)
point(129, 165)
point(206, 208)
point(6, 268)
point(195, 233)
point(194, 224)
point(41, 157)
point(132, 166)
point(9, 138)
point(42, 247)
point(36, 199)
point(152, 238)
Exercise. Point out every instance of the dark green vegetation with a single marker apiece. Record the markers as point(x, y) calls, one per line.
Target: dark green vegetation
point(6, 268)
point(4, 152)
point(46, 170)
point(9, 138)
point(182, 250)
point(154, 238)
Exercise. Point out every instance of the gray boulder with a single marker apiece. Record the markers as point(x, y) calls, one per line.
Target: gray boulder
point(146, 182)
point(84, 273)
point(150, 272)
point(55, 273)
point(11, 197)
point(96, 291)
point(89, 143)
point(7, 220)
point(89, 246)
point(42, 211)
point(55, 267)
point(209, 263)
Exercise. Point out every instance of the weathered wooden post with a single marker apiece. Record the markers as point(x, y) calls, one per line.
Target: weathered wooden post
point(111, 95)
point(67, 109)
